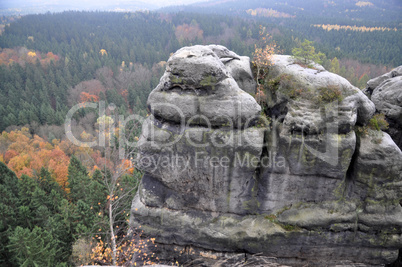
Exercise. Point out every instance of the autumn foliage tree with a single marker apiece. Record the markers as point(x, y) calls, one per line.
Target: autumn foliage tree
point(188, 32)
point(268, 12)
point(86, 97)
point(86, 91)
point(22, 55)
point(264, 50)
point(26, 155)
point(330, 27)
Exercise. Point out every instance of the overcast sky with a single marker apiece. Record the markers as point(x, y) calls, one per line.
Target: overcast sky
point(172, 2)
point(4, 4)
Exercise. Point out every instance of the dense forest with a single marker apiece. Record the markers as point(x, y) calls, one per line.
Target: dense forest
point(323, 10)
point(56, 197)
point(297, 19)
point(57, 52)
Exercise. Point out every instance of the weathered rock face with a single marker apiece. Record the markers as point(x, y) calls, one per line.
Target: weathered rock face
point(185, 171)
point(200, 118)
point(386, 93)
point(301, 187)
point(198, 89)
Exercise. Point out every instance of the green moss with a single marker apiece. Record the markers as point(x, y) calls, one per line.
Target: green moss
point(290, 88)
point(374, 128)
point(215, 220)
point(287, 85)
point(264, 121)
point(253, 204)
point(209, 81)
point(383, 202)
point(283, 210)
point(378, 122)
point(290, 227)
point(308, 159)
point(346, 156)
point(328, 94)
point(273, 84)
point(228, 198)
point(271, 218)
point(176, 79)
point(339, 191)
point(372, 201)
point(340, 227)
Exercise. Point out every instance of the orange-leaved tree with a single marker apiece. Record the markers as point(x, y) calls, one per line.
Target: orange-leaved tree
point(264, 50)
point(25, 154)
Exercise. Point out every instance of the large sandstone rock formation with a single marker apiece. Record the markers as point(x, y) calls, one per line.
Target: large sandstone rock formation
point(386, 93)
point(301, 186)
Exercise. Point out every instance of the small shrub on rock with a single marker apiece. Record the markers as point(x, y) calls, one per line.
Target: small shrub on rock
point(286, 84)
point(378, 122)
point(329, 94)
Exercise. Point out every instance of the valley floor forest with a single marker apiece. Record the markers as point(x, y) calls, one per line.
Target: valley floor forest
point(62, 204)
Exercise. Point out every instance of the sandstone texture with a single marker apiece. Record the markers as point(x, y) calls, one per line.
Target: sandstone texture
point(198, 89)
point(386, 93)
point(295, 184)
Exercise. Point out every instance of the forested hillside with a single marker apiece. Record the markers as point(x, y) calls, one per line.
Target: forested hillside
point(59, 193)
point(342, 10)
point(299, 17)
point(56, 52)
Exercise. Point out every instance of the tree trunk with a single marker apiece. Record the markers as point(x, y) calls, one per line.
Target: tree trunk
point(113, 238)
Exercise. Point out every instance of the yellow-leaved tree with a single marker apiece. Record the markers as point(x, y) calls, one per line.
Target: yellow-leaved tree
point(264, 50)
point(31, 54)
point(103, 52)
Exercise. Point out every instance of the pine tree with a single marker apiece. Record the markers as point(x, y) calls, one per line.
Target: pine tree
point(97, 192)
point(334, 66)
point(78, 180)
point(86, 218)
point(305, 52)
point(2, 115)
point(32, 248)
point(27, 187)
point(8, 209)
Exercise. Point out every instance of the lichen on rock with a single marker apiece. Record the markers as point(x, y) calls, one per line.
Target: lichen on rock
point(386, 93)
point(197, 84)
point(303, 187)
